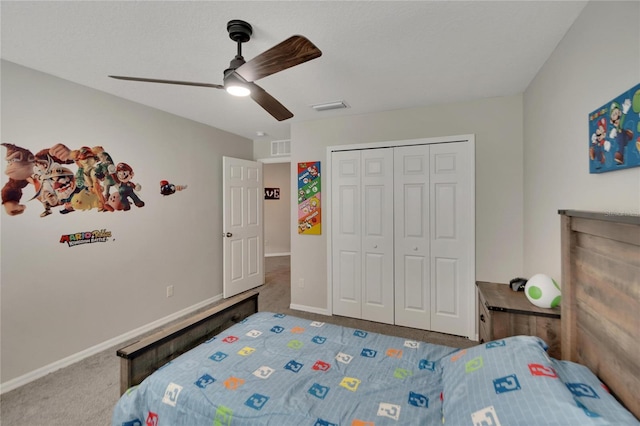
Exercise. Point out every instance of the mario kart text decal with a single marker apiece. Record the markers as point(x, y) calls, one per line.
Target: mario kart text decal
point(101, 236)
point(309, 218)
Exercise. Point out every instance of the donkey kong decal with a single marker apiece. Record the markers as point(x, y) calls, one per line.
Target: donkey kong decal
point(97, 183)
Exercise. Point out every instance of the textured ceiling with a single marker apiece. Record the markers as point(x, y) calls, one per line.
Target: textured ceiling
point(377, 55)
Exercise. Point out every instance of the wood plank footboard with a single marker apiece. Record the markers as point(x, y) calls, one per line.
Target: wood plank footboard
point(140, 359)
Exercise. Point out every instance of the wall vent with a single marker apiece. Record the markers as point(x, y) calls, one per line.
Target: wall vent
point(282, 147)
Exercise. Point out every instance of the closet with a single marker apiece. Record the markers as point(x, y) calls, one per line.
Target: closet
point(402, 246)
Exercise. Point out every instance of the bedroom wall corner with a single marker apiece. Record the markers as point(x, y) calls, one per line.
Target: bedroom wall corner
point(598, 59)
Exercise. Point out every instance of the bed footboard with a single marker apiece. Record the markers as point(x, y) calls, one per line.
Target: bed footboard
point(140, 359)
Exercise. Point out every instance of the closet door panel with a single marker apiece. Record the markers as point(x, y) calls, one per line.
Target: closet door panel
point(346, 234)
point(447, 291)
point(416, 299)
point(450, 183)
point(377, 235)
point(349, 275)
point(412, 273)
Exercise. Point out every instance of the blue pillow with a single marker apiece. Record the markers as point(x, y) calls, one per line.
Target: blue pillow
point(512, 381)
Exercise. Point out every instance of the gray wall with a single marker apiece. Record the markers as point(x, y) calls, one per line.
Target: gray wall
point(58, 301)
point(597, 60)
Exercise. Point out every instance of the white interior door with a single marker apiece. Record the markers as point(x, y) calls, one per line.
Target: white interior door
point(243, 256)
point(412, 242)
point(452, 226)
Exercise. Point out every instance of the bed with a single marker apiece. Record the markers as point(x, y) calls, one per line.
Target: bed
point(270, 368)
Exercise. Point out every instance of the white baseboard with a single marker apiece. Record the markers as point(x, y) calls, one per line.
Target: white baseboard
point(277, 254)
point(312, 309)
point(65, 362)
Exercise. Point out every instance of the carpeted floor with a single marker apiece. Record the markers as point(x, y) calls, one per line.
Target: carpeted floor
point(86, 392)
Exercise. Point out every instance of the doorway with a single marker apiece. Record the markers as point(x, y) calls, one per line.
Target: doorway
point(277, 208)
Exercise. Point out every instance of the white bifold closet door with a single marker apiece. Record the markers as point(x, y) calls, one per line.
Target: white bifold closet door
point(362, 237)
point(433, 206)
point(412, 242)
point(402, 249)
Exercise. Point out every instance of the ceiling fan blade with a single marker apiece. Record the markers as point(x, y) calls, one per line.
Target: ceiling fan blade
point(293, 51)
point(269, 103)
point(153, 80)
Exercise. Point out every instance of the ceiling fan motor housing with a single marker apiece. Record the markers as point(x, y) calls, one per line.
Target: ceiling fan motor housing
point(239, 31)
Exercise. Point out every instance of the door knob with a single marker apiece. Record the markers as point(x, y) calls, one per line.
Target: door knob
point(228, 235)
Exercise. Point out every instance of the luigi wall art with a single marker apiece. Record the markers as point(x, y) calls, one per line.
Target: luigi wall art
point(614, 133)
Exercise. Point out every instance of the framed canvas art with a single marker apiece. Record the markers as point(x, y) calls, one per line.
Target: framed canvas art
point(309, 189)
point(614, 133)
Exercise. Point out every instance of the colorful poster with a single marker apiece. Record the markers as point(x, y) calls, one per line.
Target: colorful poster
point(614, 133)
point(309, 217)
point(67, 180)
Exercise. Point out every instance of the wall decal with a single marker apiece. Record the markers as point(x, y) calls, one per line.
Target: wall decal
point(79, 238)
point(167, 188)
point(309, 217)
point(614, 132)
point(272, 193)
point(98, 183)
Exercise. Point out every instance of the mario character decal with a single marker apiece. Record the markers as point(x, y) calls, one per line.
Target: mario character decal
point(123, 175)
point(97, 184)
point(309, 217)
point(614, 131)
point(167, 188)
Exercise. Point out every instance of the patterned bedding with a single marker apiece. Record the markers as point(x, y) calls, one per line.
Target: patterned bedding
point(273, 369)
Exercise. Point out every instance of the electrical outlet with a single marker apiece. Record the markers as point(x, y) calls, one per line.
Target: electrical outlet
point(301, 283)
point(169, 291)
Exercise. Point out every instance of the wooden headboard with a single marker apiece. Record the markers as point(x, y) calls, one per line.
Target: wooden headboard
point(601, 298)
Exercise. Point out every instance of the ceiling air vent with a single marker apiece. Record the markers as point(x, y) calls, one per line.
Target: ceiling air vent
point(282, 147)
point(330, 105)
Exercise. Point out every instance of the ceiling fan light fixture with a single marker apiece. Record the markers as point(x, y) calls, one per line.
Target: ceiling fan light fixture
point(235, 86)
point(237, 90)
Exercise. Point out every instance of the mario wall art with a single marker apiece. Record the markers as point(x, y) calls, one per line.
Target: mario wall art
point(67, 180)
point(614, 133)
point(309, 217)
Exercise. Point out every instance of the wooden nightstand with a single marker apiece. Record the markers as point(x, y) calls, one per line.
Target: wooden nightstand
point(503, 312)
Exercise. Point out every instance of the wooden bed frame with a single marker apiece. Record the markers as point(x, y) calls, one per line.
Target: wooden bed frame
point(600, 308)
point(145, 356)
point(601, 298)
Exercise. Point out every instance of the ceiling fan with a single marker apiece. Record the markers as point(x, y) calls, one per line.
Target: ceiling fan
point(239, 78)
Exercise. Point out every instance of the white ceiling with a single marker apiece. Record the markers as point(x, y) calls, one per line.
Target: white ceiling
point(377, 55)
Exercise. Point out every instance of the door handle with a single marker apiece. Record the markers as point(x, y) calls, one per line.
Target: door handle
point(228, 234)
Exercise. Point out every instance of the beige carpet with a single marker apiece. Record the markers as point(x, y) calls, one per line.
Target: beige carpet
point(86, 392)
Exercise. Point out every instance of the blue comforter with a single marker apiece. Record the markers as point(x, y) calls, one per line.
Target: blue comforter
point(273, 369)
